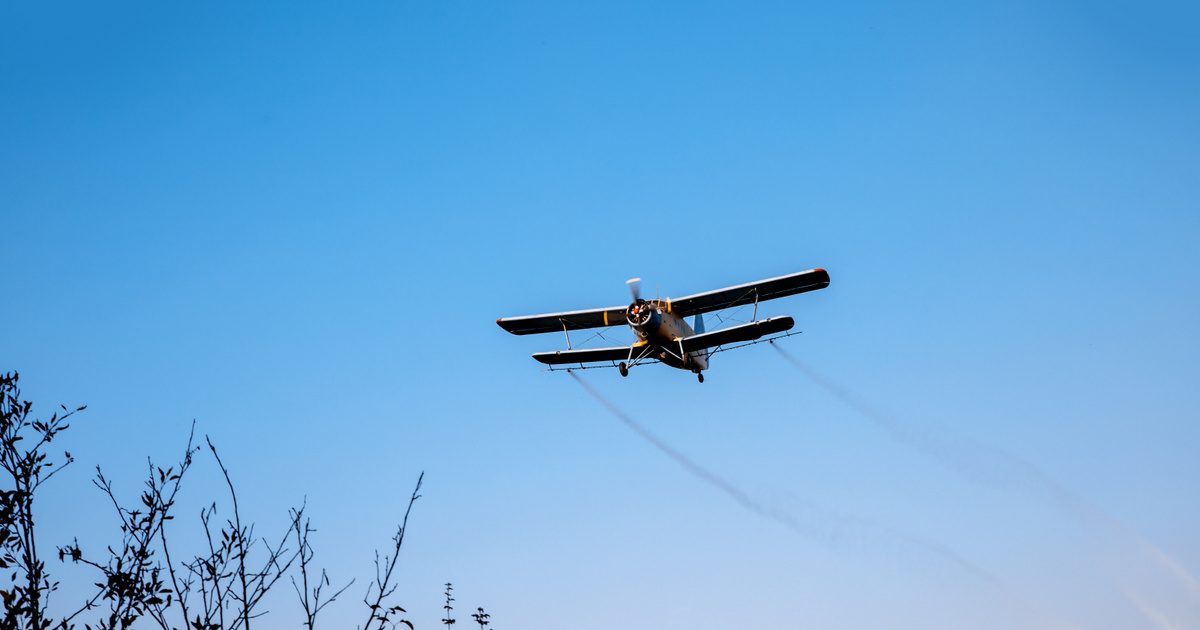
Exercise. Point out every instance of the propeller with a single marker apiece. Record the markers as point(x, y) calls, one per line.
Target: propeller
point(635, 288)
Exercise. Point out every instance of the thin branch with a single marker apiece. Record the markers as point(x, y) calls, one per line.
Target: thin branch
point(383, 586)
point(237, 520)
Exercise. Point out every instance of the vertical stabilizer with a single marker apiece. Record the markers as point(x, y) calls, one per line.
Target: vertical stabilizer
point(698, 327)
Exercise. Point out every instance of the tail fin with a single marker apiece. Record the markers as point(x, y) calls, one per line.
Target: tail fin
point(698, 327)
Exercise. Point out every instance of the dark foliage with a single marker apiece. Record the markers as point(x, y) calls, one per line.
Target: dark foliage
point(142, 578)
point(481, 618)
point(448, 620)
point(27, 465)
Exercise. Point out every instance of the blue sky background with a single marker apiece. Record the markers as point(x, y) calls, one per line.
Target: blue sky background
point(296, 223)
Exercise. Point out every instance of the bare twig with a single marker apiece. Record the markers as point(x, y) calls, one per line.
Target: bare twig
point(310, 598)
point(240, 538)
point(383, 587)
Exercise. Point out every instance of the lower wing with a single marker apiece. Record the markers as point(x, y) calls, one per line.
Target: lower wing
point(735, 334)
point(589, 355)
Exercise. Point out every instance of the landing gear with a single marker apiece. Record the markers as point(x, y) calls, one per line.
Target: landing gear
point(699, 377)
point(623, 368)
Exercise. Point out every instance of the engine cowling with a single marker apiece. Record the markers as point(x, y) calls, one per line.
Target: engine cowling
point(642, 315)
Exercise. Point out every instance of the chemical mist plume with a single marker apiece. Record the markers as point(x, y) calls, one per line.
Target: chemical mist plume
point(794, 524)
point(994, 467)
point(972, 460)
point(692, 467)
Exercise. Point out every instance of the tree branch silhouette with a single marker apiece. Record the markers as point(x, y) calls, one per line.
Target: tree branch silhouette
point(383, 585)
point(142, 576)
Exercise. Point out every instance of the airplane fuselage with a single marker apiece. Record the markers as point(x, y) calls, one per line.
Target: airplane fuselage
point(660, 329)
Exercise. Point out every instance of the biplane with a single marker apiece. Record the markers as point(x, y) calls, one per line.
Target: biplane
point(660, 326)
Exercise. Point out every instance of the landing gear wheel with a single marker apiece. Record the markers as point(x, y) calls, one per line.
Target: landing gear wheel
point(700, 377)
point(623, 368)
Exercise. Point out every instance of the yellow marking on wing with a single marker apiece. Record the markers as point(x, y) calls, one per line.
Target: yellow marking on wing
point(668, 305)
point(605, 318)
point(641, 342)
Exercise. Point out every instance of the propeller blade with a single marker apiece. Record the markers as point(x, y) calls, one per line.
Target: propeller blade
point(635, 288)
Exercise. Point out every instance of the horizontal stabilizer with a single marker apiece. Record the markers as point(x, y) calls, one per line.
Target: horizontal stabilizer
point(588, 355)
point(736, 334)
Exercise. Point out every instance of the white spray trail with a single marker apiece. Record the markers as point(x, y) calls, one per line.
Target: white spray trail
point(808, 530)
point(994, 467)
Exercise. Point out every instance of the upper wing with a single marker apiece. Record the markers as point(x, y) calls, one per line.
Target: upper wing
point(558, 322)
point(583, 356)
point(734, 334)
point(751, 292)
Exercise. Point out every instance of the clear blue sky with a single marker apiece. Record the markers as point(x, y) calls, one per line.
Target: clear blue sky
point(296, 224)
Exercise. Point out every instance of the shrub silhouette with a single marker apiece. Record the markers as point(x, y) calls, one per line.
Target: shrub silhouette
point(144, 577)
point(27, 466)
